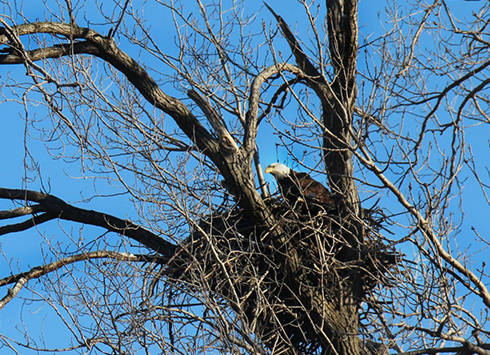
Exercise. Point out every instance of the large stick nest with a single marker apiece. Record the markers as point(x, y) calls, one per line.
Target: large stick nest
point(280, 287)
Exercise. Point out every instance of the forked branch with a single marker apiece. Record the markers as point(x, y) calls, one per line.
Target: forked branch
point(238, 177)
point(54, 207)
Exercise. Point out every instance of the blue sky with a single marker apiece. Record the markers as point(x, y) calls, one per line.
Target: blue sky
point(24, 250)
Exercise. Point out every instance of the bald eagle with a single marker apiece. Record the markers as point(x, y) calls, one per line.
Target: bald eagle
point(295, 186)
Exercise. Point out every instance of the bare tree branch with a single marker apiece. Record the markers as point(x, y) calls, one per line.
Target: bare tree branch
point(229, 268)
point(239, 178)
point(57, 208)
point(21, 279)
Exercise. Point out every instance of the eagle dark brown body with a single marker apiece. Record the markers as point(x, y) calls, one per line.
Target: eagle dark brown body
point(296, 186)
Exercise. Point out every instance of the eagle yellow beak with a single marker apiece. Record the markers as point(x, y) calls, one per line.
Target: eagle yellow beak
point(268, 169)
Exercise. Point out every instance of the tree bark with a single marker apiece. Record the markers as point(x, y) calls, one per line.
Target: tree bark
point(338, 103)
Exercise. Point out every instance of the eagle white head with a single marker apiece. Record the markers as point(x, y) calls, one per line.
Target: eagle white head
point(280, 171)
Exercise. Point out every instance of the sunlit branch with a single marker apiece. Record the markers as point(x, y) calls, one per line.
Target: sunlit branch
point(105, 48)
point(21, 279)
point(239, 177)
point(424, 225)
point(251, 127)
point(216, 121)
